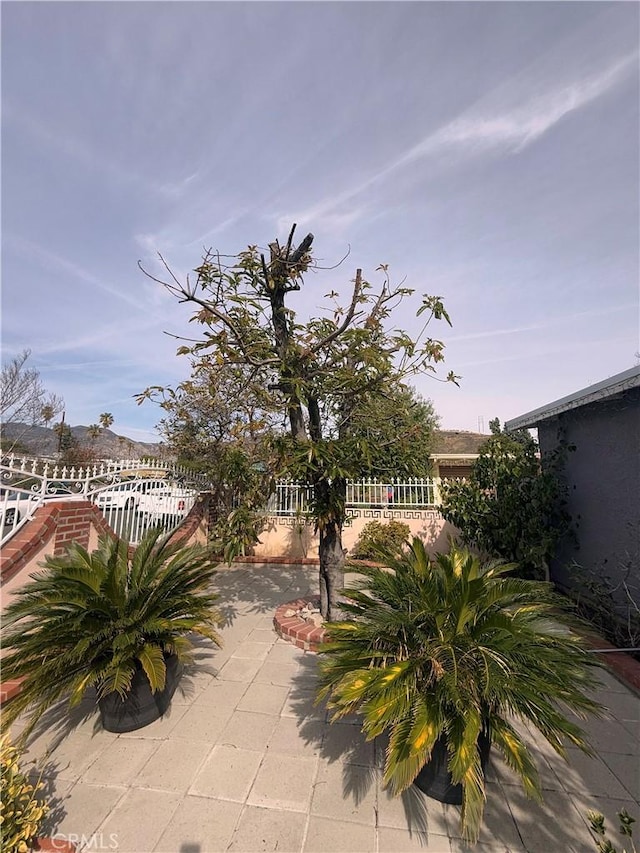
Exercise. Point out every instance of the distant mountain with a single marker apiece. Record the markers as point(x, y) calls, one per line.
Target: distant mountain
point(42, 441)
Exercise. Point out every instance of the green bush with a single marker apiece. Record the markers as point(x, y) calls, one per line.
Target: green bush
point(95, 619)
point(377, 537)
point(509, 508)
point(21, 812)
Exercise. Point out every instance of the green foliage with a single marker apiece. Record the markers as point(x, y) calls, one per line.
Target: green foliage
point(394, 433)
point(509, 507)
point(91, 619)
point(216, 425)
point(21, 812)
point(449, 648)
point(325, 376)
point(603, 843)
point(235, 534)
point(377, 538)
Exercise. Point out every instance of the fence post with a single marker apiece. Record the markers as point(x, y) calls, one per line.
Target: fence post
point(437, 495)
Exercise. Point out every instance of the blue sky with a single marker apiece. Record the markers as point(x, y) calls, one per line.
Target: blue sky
point(488, 152)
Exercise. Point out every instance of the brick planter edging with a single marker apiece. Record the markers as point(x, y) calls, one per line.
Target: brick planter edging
point(305, 635)
point(284, 561)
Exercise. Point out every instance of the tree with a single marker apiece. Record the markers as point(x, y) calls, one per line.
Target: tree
point(23, 397)
point(48, 414)
point(398, 426)
point(93, 431)
point(319, 373)
point(106, 420)
point(215, 424)
point(509, 507)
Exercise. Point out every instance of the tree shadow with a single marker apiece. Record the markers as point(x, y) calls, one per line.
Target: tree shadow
point(259, 588)
point(344, 742)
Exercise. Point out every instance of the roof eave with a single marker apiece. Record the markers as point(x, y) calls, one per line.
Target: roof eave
point(604, 390)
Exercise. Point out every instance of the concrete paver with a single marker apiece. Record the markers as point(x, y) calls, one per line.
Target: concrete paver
point(200, 824)
point(284, 782)
point(228, 773)
point(244, 760)
point(326, 835)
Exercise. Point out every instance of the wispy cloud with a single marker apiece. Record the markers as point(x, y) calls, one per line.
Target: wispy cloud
point(80, 152)
point(50, 259)
point(536, 327)
point(498, 122)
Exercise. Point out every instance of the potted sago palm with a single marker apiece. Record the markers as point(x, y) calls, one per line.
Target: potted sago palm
point(111, 621)
point(443, 654)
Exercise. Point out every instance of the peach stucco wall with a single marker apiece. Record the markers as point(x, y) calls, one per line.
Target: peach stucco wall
point(286, 537)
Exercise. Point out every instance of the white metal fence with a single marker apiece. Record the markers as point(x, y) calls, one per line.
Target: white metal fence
point(293, 499)
point(135, 494)
point(132, 494)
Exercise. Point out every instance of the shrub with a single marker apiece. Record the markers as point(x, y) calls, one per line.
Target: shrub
point(377, 538)
point(611, 607)
point(21, 811)
point(509, 508)
point(95, 619)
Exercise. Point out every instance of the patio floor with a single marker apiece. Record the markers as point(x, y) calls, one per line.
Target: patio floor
point(244, 761)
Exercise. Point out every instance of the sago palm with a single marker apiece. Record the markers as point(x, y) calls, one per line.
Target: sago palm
point(448, 649)
point(93, 619)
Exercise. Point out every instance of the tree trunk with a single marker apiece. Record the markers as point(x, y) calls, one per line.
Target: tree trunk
point(331, 569)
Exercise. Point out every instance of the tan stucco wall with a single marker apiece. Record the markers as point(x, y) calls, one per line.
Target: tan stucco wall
point(22, 576)
point(286, 537)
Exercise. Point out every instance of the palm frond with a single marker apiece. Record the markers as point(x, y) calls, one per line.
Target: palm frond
point(447, 648)
point(86, 618)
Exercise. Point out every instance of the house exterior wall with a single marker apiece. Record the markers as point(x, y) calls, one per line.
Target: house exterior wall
point(603, 479)
point(287, 537)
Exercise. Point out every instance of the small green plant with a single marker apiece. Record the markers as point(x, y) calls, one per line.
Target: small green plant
point(376, 538)
point(21, 811)
point(603, 844)
point(235, 534)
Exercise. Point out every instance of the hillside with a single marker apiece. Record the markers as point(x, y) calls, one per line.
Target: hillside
point(43, 441)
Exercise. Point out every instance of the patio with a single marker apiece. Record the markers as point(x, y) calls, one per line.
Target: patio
point(244, 761)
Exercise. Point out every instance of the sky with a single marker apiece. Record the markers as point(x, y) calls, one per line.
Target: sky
point(487, 152)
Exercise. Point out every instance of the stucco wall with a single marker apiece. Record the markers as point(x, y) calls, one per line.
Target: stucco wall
point(286, 537)
point(603, 477)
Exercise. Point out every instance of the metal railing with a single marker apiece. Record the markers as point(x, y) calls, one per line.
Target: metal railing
point(132, 494)
point(293, 499)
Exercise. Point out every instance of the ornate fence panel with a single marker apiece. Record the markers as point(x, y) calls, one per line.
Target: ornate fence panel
point(293, 499)
point(132, 494)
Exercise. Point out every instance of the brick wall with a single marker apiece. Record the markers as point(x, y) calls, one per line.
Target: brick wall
point(57, 524)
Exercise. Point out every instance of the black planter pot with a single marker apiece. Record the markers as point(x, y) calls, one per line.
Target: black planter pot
point(434, 779)
point(141, 706)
